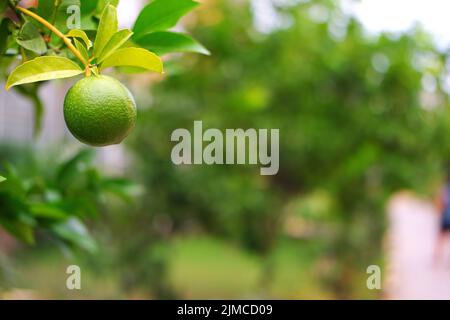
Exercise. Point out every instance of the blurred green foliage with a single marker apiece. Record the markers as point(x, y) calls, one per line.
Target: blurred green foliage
point(54, 197)
point(353, 123)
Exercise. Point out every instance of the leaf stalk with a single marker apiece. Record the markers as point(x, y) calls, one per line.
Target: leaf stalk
point(59, 34)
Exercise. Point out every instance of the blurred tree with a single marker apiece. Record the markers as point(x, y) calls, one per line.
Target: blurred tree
point(353, 124)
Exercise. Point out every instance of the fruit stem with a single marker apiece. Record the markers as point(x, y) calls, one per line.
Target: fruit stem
point(58, 34)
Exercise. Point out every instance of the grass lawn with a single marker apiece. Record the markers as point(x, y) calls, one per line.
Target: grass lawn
point(199, 267)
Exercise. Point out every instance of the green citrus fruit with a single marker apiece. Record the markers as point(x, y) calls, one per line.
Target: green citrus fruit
point(99, 111)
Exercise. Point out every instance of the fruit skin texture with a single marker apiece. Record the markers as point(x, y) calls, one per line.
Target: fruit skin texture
point(100, 111)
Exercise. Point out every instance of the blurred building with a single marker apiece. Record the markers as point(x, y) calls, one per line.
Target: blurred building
point(16, 120)
point(17, 116)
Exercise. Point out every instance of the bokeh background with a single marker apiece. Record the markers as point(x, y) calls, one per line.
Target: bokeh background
point(359, 91)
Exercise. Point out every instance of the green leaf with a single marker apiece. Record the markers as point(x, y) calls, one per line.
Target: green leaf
point(46, 9)
point(107, 28)
point(16, 185)
point(30, 38)
point(2, 179)
point(42, 69)
point(3, 8)
point(161, 15)
point(4, 32)
point(74, 232)
point(20, 230)
point(88, 7)
point(69, 170)
point(123, 188)
point(117, 40)
point(46, 211)
point(103, 3)
point(164, 42)
point(80, 47)
point(64, 14)
point(134, 57)
point(74, 33)
point(57, 12)
point(88, 10)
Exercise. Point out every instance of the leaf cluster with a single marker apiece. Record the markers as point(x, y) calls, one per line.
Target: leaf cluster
point(56, 203)
point(110, 47)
